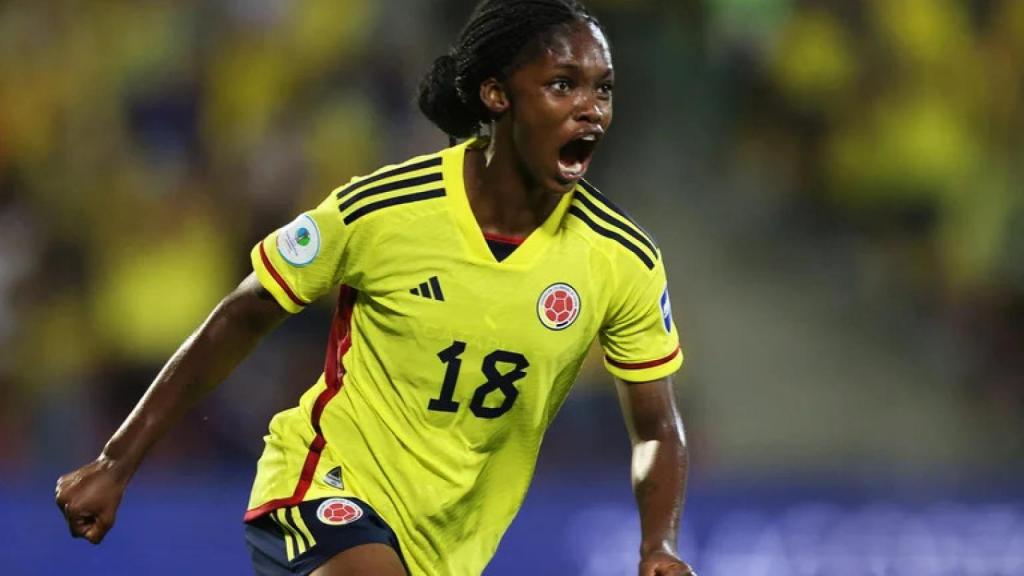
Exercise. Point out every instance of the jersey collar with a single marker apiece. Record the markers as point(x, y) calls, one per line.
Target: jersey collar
point(453, 160)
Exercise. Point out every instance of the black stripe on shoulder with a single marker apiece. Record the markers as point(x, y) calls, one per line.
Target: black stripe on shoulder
point(604, 201)
point(609, 219)
point(393, 201)
point(575, 211)
point(404, 169)
point(389, 187)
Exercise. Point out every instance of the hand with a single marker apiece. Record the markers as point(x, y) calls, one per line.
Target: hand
point(662, 563)
point(89, 497)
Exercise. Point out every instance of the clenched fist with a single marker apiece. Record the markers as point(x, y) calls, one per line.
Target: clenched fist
point(89, 497)
point(662, 563)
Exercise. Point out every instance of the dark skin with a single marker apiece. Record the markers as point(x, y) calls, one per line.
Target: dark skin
point(89, 496)
point(513, 185)
point(659, 470)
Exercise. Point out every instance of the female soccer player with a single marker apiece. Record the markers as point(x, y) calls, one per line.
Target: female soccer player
point(473, 283)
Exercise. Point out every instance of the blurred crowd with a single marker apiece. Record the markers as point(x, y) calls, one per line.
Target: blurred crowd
point(893, 132)
point(146, 146)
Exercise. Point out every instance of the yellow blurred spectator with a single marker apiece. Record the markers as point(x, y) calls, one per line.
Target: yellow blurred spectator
point(814, 64)
point(158, 274)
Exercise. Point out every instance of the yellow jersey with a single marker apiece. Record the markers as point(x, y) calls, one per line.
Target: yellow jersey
point(444, 365)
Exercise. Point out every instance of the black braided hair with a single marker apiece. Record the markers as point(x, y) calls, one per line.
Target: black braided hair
point(491, 45)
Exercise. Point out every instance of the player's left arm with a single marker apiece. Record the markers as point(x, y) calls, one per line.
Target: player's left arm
point(659, 471)
point(642, 351)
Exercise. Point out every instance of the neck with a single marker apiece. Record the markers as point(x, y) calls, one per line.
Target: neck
point(504, 199)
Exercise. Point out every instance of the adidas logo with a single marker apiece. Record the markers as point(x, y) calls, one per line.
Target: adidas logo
point(333, 478)
point(430, 289)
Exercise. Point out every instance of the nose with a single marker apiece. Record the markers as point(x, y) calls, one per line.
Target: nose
point(591, 109)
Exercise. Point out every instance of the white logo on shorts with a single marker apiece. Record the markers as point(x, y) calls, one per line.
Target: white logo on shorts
point(338, 512)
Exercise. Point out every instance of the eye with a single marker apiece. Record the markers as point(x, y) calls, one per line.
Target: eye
point(561, 85)
point(606, 89)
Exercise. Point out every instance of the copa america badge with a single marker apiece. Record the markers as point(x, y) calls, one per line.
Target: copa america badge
point(299, 242)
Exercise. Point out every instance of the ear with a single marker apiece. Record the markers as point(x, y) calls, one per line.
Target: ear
point(494, 96)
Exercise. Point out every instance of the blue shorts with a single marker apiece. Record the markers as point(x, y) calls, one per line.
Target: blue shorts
point(296, 540)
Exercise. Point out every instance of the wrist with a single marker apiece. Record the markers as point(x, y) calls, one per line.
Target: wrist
point(648, 547)
point(121, 467)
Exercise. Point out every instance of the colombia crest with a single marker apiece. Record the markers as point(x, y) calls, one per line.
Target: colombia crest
point(558, 306)
point(338, 512)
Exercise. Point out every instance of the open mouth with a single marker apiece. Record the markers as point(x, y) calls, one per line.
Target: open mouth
point(574, 157)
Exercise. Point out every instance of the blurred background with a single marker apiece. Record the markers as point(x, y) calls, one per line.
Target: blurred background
point(837, 187)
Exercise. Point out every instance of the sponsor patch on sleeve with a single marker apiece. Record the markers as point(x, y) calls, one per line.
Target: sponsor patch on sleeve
point(666, 310)
point(299, 242)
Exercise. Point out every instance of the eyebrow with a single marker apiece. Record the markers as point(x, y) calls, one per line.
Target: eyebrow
point(574, 67)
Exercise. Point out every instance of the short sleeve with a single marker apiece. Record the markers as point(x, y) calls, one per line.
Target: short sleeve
point(305, 259)
point(639, 338)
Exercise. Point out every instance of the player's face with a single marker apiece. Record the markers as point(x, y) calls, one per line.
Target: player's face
point(562, 106)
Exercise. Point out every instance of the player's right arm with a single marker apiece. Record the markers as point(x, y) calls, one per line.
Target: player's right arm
point(292, 267)
point(90, 495)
